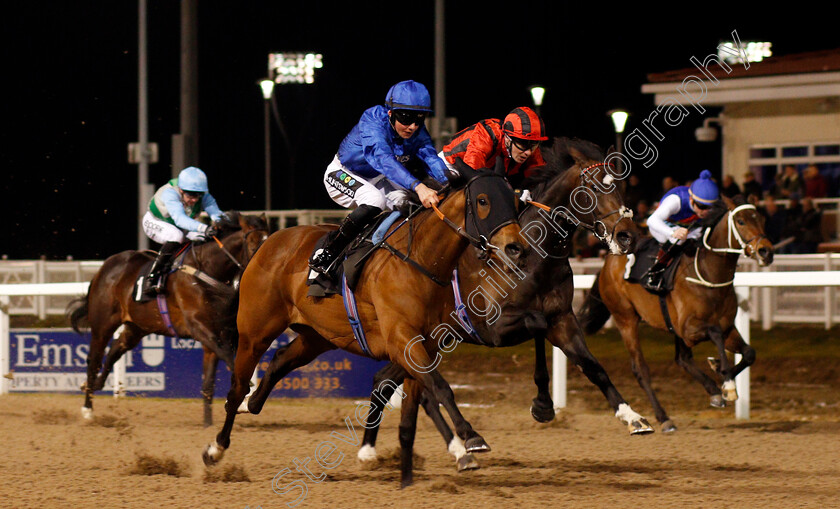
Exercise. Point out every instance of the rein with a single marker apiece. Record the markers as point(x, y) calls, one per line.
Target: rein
point(731, 231)
point(210, 280)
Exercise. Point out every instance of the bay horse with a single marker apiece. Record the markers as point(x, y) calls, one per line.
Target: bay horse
point(702, 306)
point(392, 299)
point(540, 306)
point(197, 297)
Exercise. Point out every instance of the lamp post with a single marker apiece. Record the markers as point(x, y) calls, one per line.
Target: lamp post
point(537, 94)
point(267, 87)
point(619, 119)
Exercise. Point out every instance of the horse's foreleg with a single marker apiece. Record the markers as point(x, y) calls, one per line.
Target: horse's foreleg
point(299, 352)
point(408, 430)
point(684, 357)
point(463, 460)
point(417, 363)
point(629, 329)
point(542, 407)
point(728, 389)
point(385, 383)
point(208, 384)
point(736, 344)
point(567, 335)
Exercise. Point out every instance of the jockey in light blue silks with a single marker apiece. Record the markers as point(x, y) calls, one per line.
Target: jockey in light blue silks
point(675, 220)
point(171, 219)
point(370, 173)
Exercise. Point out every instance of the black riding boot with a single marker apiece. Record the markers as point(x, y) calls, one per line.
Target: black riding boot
point(152, 284)
point(663, 260)
point(351, 227)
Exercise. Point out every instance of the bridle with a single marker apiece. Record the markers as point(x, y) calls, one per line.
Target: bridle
point(731, 232)
point(598, 227)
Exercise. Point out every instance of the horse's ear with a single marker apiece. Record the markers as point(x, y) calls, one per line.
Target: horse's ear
point(578, 156)
point(499, 169)
point(464, 170)
point(727, 201)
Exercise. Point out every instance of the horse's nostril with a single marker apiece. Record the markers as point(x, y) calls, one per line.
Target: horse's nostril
point(514, 250)
point(624, 238)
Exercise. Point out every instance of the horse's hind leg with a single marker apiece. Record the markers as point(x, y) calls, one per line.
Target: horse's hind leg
point(408, 430)
point(542, 407)
point(385, 383)
point(736, 344)
point(567, 335)
point(208, 384)
point(100, 336)
point(684, 357)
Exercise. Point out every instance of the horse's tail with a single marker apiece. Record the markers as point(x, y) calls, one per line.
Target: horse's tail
point(593, 314)
point(77, 311)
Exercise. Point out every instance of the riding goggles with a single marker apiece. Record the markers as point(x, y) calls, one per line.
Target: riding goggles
point(193, 194)
point(525, 145)
point(407, 118)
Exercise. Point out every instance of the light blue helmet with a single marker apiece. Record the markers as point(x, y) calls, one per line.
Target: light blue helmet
point(409, 95)
point(192, 179)
point(704, 189)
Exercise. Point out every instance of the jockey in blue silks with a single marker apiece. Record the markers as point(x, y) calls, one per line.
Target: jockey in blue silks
point(675, 220)
point(370, 173)
point(171, 219)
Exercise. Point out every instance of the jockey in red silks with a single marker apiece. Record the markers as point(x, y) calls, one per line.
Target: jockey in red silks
point(517, 140)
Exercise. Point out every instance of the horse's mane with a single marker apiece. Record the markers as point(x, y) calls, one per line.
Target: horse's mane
point(228, 224)
point(719, 209)
point(558, 158)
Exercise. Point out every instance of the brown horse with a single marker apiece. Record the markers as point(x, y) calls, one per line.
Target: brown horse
point(539, 306)
point(702, 305)
point(392, 297)
point(198, 297)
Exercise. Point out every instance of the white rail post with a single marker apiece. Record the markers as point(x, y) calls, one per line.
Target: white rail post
point(119, 371)
point(742, 381)
point(828, 304)
point(558, 378)
point(4, 344)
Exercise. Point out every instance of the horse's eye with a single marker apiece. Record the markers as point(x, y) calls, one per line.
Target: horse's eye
point(483, 202)
point(741, 222)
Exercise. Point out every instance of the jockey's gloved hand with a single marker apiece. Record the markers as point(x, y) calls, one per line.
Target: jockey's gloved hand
point(210, 232)
point(524, 196)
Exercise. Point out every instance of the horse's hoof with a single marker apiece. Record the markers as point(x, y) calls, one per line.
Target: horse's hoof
point(669, 426)
point(406, 482)
point(476, 444)
point(212, 454)
point(541, 414)
point(730, 393)
point(640, 427)
point(366, 453)
point(87, 413)
point(717, 401)
point(467, 462)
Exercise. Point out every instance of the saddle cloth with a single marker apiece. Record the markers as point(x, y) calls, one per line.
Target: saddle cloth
point(643, 259)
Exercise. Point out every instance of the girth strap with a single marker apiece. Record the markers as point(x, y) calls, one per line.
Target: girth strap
point(353, 316)
point(164, 314)
point(667, 316)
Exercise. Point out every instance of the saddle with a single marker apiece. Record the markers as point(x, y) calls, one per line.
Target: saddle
point(640, 261)
point(138, 284)
point(353, 256)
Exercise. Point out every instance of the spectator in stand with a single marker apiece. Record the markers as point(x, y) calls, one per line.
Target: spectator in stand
point(815, 184)
point(774, 219)
point(788, 183)
point(668, 183)
point(751, 185)
point(729, 187)
point(634, 192)
point(808, 229)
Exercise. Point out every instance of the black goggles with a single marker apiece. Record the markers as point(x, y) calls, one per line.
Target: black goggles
point(407, 118)
point(524, 145)
point(702, 206)
point(193, 194)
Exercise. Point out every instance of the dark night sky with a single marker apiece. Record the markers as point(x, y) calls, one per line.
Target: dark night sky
point(70, 106)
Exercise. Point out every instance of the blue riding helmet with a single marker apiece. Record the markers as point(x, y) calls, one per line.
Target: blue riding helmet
point(409, 95)
point(704, 189)
point(192, 179)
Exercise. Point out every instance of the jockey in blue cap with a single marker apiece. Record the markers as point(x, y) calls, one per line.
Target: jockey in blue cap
point(370, 171)
point(675, 220)
point(171, 219)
